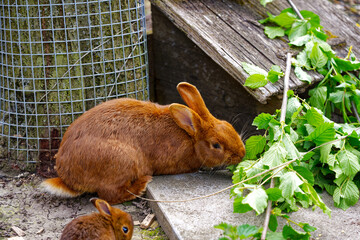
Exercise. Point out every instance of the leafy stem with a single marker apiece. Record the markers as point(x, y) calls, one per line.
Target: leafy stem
point(325, 79)
point(300, 148)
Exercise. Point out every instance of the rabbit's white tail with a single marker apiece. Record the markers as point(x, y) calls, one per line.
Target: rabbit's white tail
point(57, 187)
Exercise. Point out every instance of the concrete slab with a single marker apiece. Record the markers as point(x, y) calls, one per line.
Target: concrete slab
point(194, 220)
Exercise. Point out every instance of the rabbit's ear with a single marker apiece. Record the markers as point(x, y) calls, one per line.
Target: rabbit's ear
point(103, 207)
point(185, 118)
point(193, 99)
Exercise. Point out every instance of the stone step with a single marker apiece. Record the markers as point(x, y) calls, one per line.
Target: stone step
point(195, 220)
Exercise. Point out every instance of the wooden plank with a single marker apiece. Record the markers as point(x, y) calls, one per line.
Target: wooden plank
point(178, 59)
point(229, 33)
point(196, 19)
point(145, 224)
point(18, 231)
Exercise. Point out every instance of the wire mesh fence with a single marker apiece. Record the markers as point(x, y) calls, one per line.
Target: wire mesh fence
point(60, 58)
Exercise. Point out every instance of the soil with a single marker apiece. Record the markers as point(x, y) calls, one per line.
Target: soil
point(42, 216)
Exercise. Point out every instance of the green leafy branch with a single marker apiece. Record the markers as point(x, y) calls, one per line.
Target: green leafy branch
point(281, 156)
point(340, 87)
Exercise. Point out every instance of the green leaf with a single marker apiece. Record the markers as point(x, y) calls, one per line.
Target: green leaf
point(322, 134)
point(349, 162)
point(307, 227)
point(337, 170)
point(290, 233)
point(319, 34)
point(277, 212)
point(314, 19)
point(354, 139)
point(300, 41)
point(291, 202)
point(302, 59)
point(302, 198)
point(308, 48)
point(273, 32)
point(274, 130)
point(336, 196)
point(340, 179)
point(325, 152)
point(255, 169)
point(331, 160)
point(268, 19)
point(317, 57)
point(292, 151)
point(305, 173)
point(275, 155)
point(240, 207)
point(298, 29)
point(264, 2)
point(274, 194)
point(275, 236)
point(351, 149)
point(245, 231)
point(330, 188)
point(325, 47)
point(296, 114)
point(252, 69)
point(302, 75)
point(307, 156)
point(274, 74)
point(277, 69)
point(293, 105)
point(289, 182)
point(315, 198)
point(222, 226)
point(337, 97)
point(346, 65)
point(257, 199)
point(255, 81)
point(338, 78)
point(285, 19)
point(350, 192)
point(347, 195)
point(293, 135)
point(318, 96)
point(254, 145)
point(314, 117)
point(262, 120)
point(228, 229)
point(309, 128)
point(273, 224)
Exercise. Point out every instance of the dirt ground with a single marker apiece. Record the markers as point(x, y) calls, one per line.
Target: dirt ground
point(43, 217)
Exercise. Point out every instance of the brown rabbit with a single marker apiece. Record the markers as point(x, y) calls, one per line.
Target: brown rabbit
point(118, 145)
point(110, 224)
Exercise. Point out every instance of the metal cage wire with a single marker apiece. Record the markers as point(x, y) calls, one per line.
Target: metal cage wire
point(60, 58)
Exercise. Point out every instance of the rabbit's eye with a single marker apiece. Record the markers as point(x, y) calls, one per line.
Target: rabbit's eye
point(125, 229)
point(216, 145)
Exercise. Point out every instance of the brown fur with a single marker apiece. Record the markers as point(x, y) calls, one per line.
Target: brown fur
point(106, 225)
point(118, 145)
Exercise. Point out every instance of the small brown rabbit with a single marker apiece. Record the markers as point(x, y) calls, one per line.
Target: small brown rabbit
point(115, 147)
point(110, 224)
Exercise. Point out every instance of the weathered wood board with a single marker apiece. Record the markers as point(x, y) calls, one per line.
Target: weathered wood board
point(229, 33)
point(176, 58)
